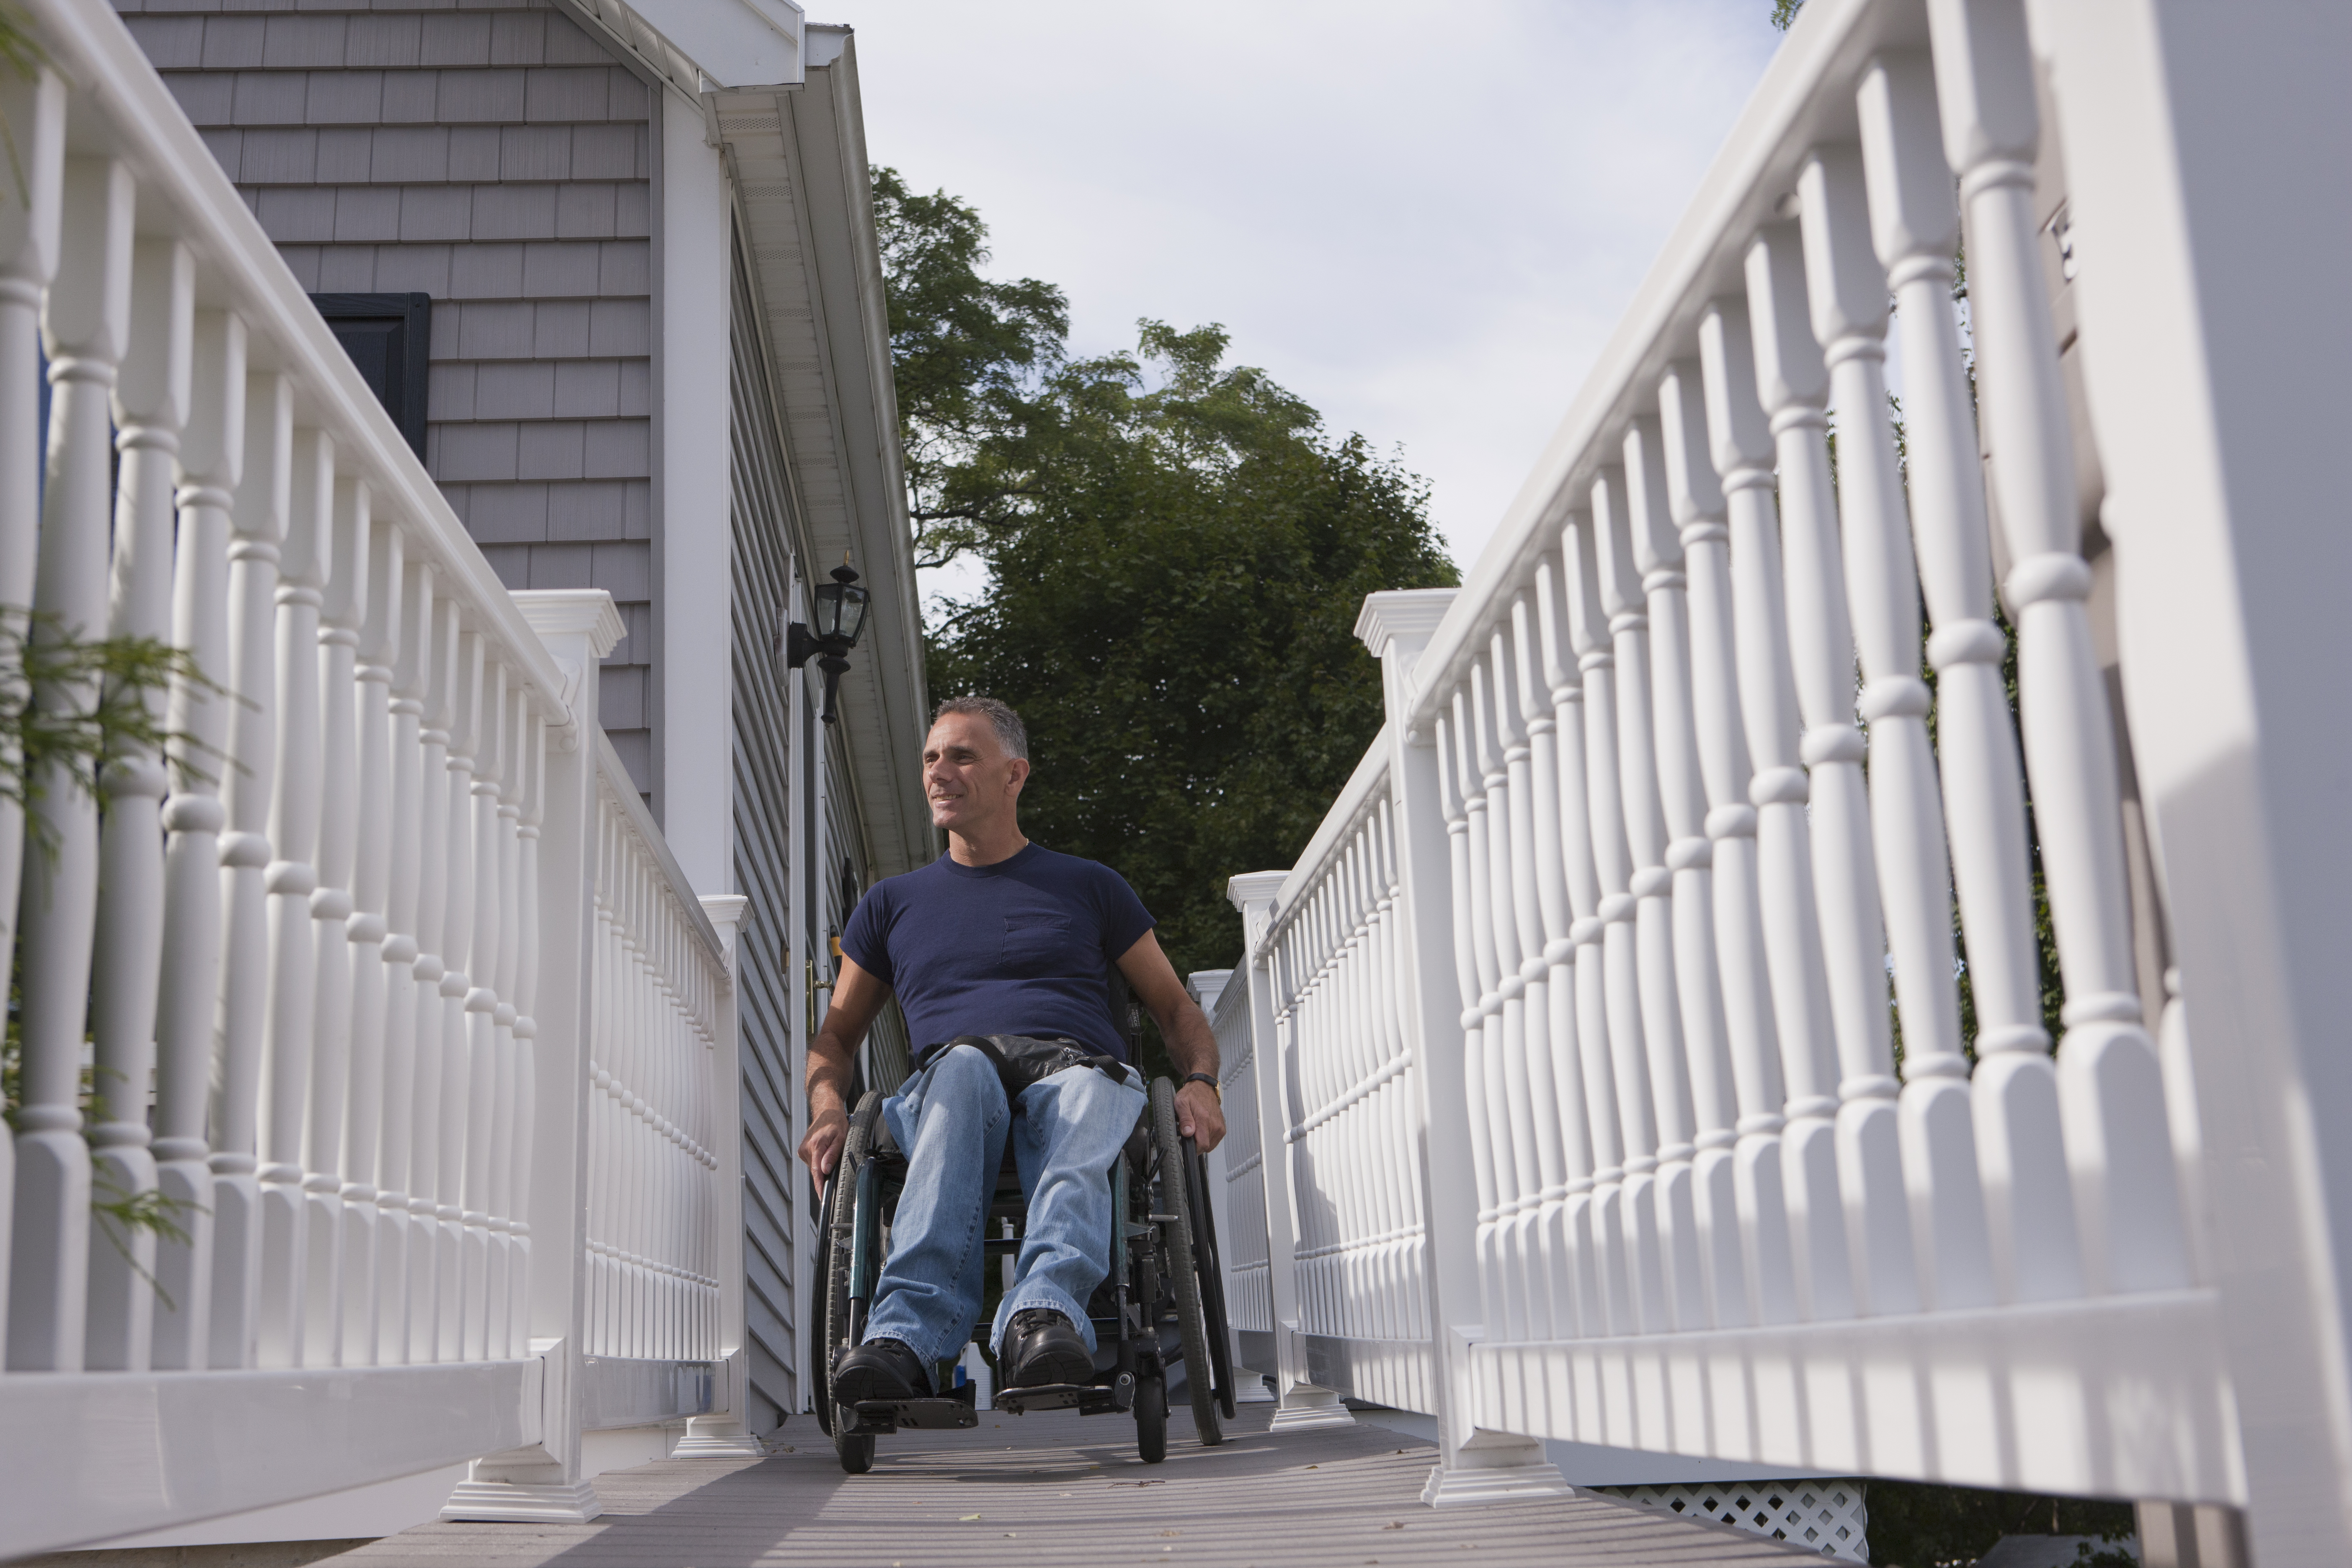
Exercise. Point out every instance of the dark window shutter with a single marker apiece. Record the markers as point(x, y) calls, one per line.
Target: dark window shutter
point(390, 338)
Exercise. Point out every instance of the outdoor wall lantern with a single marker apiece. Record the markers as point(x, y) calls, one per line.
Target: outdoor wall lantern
point(840, 616)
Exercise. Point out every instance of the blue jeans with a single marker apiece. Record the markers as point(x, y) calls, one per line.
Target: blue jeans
point(951, 1119)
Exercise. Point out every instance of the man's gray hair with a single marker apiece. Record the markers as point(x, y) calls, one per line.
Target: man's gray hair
point(1011, 733)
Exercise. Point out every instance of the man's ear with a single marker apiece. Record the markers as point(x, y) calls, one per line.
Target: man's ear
point(1020, 774)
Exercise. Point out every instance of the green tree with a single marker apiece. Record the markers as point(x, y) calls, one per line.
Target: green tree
point(1177, 559)
point(966, 354)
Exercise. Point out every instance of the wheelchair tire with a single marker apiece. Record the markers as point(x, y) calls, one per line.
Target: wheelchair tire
point(1181, 1269)
point(1213, 1273)
point(856, 1454)
point(1151, 1418)
point(820, 1353)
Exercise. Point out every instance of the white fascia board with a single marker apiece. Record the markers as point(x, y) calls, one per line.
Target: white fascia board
point(699, 45)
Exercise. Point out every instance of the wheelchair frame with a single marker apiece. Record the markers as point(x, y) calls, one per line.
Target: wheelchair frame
point(1164, 1272)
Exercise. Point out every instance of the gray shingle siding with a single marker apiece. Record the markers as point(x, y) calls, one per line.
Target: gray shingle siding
point(493, 155)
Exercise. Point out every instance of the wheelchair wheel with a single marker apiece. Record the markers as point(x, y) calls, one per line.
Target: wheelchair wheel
point(1212, 1270)
point(842, 1326)
point(1181, 1269)
point(1151, 1418)
point(820, 1350)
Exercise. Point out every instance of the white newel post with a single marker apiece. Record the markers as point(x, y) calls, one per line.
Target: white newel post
point(723, 1436)
point(1474, 1465)
point(2220, 440)
point(542, 1481)
point(1304, 1406)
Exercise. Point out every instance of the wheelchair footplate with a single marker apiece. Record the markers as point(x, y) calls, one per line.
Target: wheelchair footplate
point(951, 1410)
point(1086, 1398)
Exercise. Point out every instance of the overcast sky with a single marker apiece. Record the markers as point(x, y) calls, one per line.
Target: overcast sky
point(1423, 220)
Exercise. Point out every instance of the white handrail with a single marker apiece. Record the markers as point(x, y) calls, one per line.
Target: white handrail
point(1669, 836)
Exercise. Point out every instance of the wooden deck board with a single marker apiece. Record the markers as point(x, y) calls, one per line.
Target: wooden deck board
point(1063, 1490)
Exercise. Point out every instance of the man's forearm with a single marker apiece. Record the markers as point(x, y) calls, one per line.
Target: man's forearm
point(1191, 1046)
point(829, 1064)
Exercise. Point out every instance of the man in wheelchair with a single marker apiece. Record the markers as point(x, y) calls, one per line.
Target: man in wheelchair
point(1000, 953)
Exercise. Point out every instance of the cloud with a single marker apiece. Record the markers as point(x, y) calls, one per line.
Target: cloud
point(1424, 221)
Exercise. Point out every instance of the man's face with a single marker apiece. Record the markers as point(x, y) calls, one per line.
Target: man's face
point(969, 780)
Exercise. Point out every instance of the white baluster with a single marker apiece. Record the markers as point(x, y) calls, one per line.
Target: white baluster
point(150, 405)
point(1540, 894)
point(1792, 947)
point(2111, 1087)
point(212, 461)
point(485, 1124)
point(364, 1103)
point(1681, 1301)
point(1454, 788)
point(1587, 709)
point(512, 1115)
point(85, 323)
point(1915, 225)
point(35, 106)
point(1568, 894)
point(1697, 501)
point(1549, 1288)
point(1628, 1100)
point(526, 1027)
point(1794, 381)
point(1716, 1282)
point(460, 1264)
point(344, 607)
point(431, 1247)
point(304, 569)
point(1848, 292)
point(263, 500)
point(399, 1259)
point(1506, 1075)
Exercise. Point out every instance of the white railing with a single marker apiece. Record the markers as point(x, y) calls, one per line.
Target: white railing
point(1683, 809)
point(358, 928)
point(653, 1242)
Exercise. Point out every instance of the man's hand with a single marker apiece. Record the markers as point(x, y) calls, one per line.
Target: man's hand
point(1191, 1048)
point(1199, 1116)
point(857, 996)
point(828, 1130)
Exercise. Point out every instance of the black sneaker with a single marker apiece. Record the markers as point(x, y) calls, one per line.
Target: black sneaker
point(1041, 1346)
point(879, 1369)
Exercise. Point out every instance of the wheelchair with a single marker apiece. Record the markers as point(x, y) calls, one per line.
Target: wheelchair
point(1161, 1300)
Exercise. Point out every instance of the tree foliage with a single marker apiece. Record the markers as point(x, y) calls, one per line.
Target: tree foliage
point(1176, 554)
point(966, 352)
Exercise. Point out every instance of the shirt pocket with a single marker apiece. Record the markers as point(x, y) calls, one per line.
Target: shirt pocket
point(1037, 945)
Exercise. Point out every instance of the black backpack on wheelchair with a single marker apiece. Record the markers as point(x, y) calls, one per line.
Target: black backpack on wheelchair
point(1163, 1301)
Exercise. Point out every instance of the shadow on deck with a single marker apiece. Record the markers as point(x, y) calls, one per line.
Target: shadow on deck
point(1065, 1490)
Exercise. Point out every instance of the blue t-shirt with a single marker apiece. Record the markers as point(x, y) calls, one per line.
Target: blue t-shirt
point(1021, 947)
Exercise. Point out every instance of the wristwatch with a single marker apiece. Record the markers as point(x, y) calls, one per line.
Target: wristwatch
point(1211, 1080)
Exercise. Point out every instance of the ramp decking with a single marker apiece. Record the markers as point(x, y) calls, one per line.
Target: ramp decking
point(1065, 1490)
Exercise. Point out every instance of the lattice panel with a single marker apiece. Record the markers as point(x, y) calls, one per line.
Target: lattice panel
point(1829, 1517)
